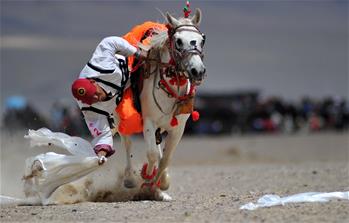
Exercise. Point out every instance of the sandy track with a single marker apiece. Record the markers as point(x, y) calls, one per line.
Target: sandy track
point(211, 185)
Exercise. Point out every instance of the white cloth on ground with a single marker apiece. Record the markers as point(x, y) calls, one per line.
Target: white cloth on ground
point(269, 200)
point(57, 169)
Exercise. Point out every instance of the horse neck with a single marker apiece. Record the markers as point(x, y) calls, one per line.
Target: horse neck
point(163, 56)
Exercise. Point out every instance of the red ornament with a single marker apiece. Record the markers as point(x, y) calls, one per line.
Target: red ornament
point(144, 172)
point(195, 115)
point(179, 82)
point(174, 121)
point(172, 62)
point(186, 10)
point(187, 13)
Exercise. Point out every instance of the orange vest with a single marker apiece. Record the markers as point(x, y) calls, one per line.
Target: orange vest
point(130, 120)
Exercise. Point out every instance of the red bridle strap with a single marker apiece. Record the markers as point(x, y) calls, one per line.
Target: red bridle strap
point(170, 91)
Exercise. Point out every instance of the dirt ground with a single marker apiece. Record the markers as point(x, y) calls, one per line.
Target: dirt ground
point(211, 179)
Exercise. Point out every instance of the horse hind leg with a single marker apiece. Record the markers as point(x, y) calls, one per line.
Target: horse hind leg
point(130, 180)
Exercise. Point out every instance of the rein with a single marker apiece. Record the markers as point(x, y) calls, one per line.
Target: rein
point(166, 87)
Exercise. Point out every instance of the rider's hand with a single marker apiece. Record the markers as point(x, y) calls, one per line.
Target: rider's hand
point(141, 54)
point(102, 159)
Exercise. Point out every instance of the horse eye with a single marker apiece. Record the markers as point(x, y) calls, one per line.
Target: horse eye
point(179, 43)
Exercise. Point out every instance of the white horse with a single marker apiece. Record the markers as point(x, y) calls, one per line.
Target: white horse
point(175, 56)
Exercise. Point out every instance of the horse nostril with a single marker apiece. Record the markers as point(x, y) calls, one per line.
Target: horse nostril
point(194, 72)
point(204, 71)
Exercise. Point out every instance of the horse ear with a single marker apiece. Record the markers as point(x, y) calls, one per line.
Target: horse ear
point(172, 20)
point(196, 19)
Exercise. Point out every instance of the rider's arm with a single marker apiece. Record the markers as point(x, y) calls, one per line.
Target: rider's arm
point(118, 45)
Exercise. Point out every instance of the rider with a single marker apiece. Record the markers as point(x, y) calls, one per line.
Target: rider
point(100, 87)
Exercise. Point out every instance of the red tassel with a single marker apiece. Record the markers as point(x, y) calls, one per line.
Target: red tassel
point(172, 62)
point(174, 121)
point(195, 115)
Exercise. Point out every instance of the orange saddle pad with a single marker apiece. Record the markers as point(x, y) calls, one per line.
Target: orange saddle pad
point(130, 120)
point(140, 33)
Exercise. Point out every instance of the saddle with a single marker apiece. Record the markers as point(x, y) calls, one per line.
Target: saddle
point(129, 109)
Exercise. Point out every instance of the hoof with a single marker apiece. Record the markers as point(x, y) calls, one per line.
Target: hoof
point(130, 179)
point(162, 196)
point(129, 183)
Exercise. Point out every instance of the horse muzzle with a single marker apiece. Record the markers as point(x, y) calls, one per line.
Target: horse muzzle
point(197, 76)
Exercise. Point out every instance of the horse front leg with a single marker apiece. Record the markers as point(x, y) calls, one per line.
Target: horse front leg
point(171, 143)
point(130, 173)
point(153, 151)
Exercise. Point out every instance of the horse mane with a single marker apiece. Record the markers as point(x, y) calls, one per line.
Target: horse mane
point(157, 41)
point(159, 38)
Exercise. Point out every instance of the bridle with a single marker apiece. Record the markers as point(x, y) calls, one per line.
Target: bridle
point(174, 69)
point(178, 55)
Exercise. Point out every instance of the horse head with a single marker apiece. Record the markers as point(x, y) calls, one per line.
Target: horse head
point(186, 46)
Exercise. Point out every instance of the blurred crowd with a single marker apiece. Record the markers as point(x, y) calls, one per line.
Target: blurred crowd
point(231, 113)
point(243, 113)
point(64, 117)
